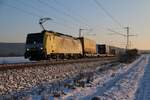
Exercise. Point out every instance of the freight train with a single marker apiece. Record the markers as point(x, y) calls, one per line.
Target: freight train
point(106, 50)
point(54, 45)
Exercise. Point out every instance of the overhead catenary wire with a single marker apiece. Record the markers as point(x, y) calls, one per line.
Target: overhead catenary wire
point(62, 12)
point(45, 13)
point(83, 19)
point(22, 10)
point(107, 13)
point(41, 11)
point(21, 2)
point(34, 15)
point(116, 21)
point(115, 32)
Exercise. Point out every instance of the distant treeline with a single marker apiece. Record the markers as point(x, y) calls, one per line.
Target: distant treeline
point(12, 49)
point(144, 51)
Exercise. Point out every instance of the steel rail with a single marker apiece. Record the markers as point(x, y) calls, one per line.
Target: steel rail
point(4, 67)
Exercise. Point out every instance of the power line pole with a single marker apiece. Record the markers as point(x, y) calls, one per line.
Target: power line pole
point(127, 35)
point(80, 30)
point(127, 46)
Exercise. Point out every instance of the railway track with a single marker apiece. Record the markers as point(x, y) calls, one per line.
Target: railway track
point(4, 67)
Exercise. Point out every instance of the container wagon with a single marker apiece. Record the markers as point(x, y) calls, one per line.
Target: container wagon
point(102, 49)
point(116, 50)
point(106, 50)
point(88, 46)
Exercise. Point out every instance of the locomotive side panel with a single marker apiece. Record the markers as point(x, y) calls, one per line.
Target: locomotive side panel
point(61, 44)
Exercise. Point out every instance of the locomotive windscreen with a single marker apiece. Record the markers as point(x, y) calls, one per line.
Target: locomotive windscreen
point(36, 38)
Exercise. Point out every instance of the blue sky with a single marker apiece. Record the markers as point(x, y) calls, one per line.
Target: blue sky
point(20, 17)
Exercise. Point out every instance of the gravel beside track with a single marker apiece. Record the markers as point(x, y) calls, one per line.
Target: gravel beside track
point(20, 77)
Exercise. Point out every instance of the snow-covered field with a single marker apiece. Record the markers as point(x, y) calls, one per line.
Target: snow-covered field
point(143, 92)
point(122, 86)
point(116, 82)
point(6, 60)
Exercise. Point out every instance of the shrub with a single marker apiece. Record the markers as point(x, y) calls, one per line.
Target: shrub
point(129, 56)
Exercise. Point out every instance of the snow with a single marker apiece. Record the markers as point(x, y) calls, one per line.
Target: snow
point(6, 60)
point(122, 86)
point(143, 92)
point(119, 82)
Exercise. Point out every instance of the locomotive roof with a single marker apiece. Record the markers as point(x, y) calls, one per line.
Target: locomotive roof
point(61, 34)
point(56, 33)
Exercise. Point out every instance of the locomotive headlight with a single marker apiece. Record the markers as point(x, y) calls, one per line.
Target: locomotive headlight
point(27, 49)
point(41, 48)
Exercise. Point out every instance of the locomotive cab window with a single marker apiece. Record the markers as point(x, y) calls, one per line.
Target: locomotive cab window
point(35, 38)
